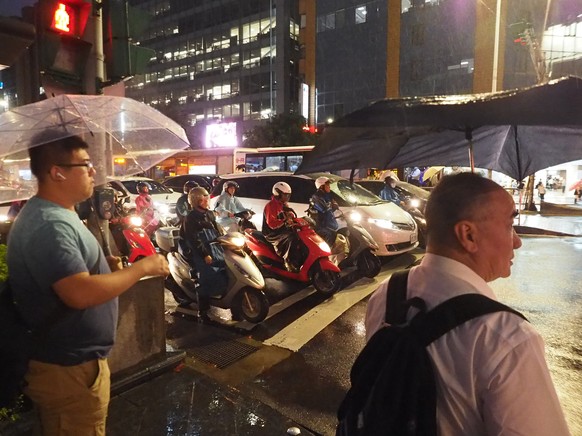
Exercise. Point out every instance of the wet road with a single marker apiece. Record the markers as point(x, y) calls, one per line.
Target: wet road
point(299, 372)
point(546, 285)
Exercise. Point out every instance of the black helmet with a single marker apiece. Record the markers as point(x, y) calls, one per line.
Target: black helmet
point(142, 188)
point(230, 184)
point(189, 185)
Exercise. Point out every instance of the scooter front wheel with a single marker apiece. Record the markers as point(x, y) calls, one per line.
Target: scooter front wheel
point(250, 304)
point(369, 265)
point(326, 282)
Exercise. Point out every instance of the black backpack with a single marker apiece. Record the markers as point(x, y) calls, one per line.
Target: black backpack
point(393, 388)
point(16, 346)
point(18, 343)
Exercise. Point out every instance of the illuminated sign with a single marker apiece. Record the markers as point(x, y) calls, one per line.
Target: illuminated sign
point(63, 19)
point(304, 100)
point(221, 135)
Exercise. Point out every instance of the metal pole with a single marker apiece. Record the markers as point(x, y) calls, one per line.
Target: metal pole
point(496, 46)
point(94, 78)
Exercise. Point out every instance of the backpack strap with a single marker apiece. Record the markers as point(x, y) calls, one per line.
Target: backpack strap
point(446, 316)
point(431, 325)
point(397, 304)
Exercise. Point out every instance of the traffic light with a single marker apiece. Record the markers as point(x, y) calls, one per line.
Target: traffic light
point(65, 17)
point(122, 25)
point(61, 26)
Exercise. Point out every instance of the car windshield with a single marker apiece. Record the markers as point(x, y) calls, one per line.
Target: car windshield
point(414, 190)
point(154, 187)
point(353, 194)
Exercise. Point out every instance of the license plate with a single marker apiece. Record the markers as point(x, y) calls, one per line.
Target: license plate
point(413, 238)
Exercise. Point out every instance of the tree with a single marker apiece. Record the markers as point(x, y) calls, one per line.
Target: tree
point(280, 130)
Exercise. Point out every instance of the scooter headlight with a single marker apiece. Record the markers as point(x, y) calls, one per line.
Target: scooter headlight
point(383, 224)
point(324, 246)
point(136, 221)
point(238, 241)
point(356, 217)
point(415, 202)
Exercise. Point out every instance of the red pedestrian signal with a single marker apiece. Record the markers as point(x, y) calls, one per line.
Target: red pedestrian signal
point(62, 21)
point(67, 17)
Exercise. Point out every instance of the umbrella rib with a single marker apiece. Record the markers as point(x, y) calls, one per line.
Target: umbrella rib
point(517, 156)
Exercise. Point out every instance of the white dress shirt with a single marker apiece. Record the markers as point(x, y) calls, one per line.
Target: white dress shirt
point(492, 376)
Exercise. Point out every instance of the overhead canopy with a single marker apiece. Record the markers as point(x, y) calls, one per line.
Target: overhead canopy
point(515, 132)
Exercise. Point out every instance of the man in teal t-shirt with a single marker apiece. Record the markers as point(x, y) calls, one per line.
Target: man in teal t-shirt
point(56, 266)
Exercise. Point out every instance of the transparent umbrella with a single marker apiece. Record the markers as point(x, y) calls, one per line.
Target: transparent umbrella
point(116, 128)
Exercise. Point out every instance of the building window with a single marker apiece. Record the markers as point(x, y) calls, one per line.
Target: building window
point(326, 22)
point(361, 12)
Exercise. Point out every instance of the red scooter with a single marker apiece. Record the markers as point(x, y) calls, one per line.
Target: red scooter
point(131, 239)
point(316, 268)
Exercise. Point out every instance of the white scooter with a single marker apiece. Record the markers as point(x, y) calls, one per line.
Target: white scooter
point(361, 245)
point(243, 294)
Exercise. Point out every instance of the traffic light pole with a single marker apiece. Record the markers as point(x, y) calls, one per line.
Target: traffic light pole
point(95, 71)
point(92, 84)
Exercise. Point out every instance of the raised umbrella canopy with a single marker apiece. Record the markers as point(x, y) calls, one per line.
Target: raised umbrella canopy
point(515, 132)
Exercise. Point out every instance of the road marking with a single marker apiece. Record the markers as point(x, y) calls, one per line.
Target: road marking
point(305, 328)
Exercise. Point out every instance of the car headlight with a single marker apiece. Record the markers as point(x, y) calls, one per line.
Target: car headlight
point(356, 217)
point(383, 224)
point(415, 202)
point(136, 221)
point(163, 208)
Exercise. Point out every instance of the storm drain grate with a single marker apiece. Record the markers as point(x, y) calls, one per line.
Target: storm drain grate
point(223, 354)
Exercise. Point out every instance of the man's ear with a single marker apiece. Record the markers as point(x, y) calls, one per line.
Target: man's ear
point(466, 233)
point(56, 175)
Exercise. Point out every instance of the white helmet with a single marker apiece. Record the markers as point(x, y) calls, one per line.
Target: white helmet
point(320, 181)
point(281, 188)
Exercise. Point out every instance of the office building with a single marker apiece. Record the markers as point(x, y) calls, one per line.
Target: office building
point(368, 50)
point(221, 66)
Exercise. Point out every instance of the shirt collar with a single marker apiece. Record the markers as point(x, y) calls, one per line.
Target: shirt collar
point(459, 271)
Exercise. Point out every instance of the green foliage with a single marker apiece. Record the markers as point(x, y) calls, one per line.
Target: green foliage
point(280, 130)
point(3, 265)
point(12, 414)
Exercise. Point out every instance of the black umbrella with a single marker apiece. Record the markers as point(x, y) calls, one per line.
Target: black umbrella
point(515, 132)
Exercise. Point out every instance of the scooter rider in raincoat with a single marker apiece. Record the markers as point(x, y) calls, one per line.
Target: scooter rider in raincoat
point(227, 205)
point(322, 207)
point(277, 226)
point(182, 205)
point(144, 206)
point(199, 230)
point(388, 193)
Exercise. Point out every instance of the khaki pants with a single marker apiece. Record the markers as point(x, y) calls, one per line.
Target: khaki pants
point(70, 400)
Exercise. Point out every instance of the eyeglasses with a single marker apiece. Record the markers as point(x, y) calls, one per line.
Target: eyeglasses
point(88, 165)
